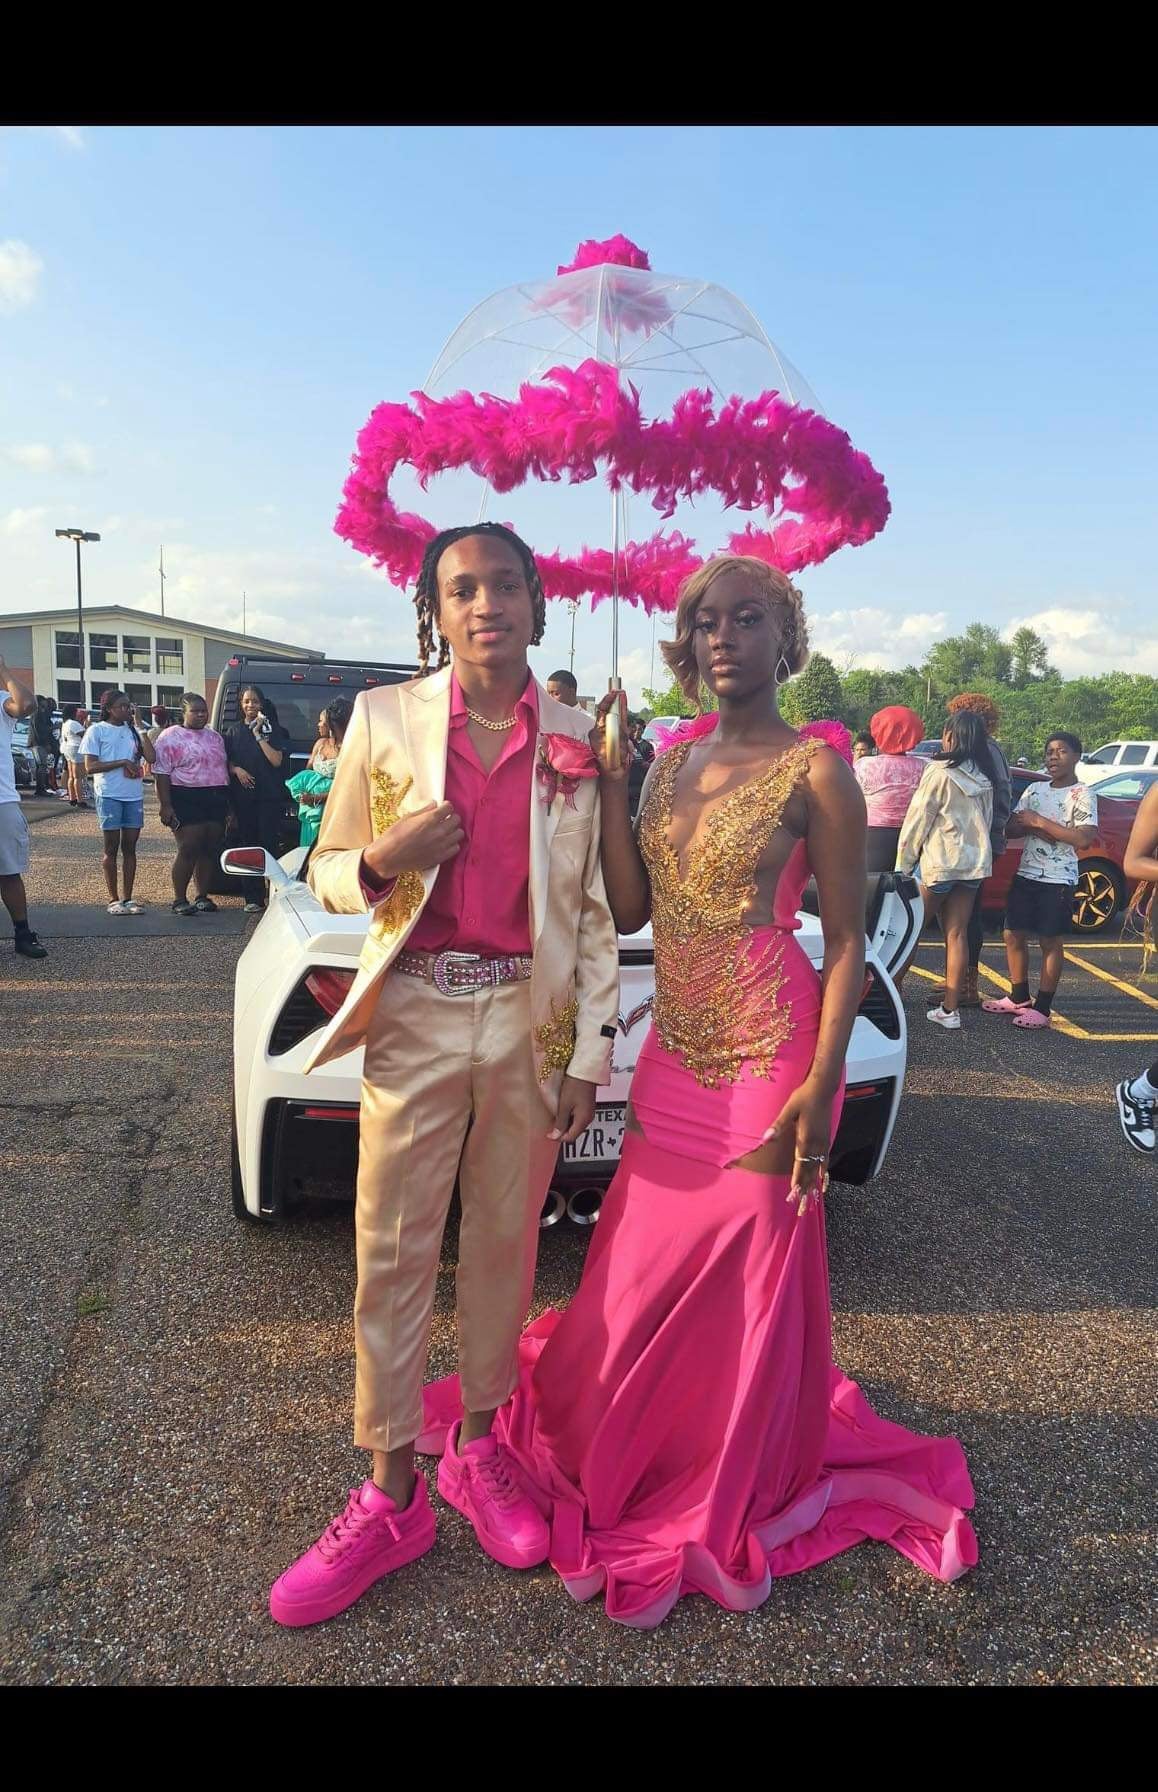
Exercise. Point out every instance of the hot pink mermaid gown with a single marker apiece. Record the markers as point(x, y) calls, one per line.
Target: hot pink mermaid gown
point(682, 1424)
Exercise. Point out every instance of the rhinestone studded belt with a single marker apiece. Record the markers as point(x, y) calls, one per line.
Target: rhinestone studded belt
point(458, 973)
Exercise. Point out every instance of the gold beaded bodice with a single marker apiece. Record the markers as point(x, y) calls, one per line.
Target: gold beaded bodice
point(715, 995)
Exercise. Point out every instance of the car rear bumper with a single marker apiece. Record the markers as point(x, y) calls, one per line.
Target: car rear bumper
point(316, 1142)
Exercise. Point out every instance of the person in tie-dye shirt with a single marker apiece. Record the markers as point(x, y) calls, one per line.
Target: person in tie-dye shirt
point(192, 773)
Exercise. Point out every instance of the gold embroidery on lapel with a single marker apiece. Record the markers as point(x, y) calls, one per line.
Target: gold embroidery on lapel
point(406, 896)
point(556, 1039)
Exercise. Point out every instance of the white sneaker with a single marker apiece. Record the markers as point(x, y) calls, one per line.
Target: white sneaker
point(1137, 1119)
point(951, 1022)
point(117, 908)
point(129, 907)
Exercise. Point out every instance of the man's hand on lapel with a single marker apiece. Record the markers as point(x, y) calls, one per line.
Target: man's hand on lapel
point(417, 842)
point(576, 1110)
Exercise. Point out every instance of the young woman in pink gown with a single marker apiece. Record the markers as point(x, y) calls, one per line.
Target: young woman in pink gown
point(682, 1425)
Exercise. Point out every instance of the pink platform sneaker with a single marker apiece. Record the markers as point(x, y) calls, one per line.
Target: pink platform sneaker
point(483, 1484)
point(370, 1538)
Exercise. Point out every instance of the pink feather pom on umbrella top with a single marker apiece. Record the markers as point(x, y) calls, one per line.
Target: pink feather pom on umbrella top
point(617, 251)
point(816, 491)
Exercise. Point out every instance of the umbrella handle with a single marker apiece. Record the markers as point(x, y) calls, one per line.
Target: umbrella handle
point(612, 734)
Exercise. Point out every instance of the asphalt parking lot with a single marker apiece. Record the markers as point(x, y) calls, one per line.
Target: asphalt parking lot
point(177, 1419)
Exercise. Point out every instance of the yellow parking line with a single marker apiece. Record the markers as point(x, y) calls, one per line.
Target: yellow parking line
point(1127, 989)
point(1085, 945)
point(1107, 1038)
point(1112, 945)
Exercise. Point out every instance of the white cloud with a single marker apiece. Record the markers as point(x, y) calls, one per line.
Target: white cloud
point(288, 597)
point(20, 271)
point(70, 134)
point(876, 638)
point(634, 670)
point(76, 457)
point(39, 457)
point(65, 391)
point(20, 522)
point(1084, 641)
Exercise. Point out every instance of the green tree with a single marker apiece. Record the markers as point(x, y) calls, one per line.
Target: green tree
point(1030, 658)
point(816, 696)
point(965, 662)
point(671, 701)
point(864, 691)
point(1133, 706)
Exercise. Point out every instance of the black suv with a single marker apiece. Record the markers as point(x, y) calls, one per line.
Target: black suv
point(299, 691)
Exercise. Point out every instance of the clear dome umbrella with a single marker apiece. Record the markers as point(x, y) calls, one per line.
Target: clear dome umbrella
point(663, 333)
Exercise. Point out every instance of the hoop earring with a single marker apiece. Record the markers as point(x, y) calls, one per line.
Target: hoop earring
point(787, 671)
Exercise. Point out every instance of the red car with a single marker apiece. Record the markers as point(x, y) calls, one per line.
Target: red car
point(1102, 887)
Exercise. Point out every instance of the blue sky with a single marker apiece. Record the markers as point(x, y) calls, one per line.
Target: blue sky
point(194, 323)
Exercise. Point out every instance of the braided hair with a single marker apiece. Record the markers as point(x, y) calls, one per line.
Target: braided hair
point(426, 590)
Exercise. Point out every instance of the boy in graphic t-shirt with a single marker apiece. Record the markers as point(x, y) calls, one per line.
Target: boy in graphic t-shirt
point(1057, 821)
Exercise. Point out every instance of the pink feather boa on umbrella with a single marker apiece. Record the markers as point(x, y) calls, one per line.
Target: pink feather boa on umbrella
point(580, 419)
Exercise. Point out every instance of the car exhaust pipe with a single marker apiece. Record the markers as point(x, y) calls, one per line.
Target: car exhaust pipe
point(554, 1207)
point(583, 1206)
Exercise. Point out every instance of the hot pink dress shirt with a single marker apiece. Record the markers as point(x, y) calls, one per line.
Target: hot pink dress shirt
point(481, 901)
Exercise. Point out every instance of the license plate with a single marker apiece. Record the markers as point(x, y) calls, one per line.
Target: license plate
point(603, 1140)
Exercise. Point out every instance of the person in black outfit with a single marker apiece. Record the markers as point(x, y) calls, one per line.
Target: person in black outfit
point(642, 755)
point(257, 747)
point(42, 740)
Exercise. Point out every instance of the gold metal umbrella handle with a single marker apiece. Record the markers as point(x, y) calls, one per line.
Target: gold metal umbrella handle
point(612, 733)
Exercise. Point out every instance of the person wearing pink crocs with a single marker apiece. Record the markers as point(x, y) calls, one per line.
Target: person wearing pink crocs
point(1056, 821)
point(464, 817)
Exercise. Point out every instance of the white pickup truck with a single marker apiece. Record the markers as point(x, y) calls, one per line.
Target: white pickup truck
point(1118, 755)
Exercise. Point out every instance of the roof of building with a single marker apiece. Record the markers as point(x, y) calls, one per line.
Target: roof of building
point(250, 643)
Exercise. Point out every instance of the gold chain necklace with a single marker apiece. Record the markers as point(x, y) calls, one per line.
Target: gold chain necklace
point(485, 722)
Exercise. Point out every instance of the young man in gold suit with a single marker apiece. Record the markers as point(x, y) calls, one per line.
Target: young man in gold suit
point(464, 818)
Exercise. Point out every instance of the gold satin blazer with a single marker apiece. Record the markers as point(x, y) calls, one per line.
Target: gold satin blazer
point(393, 761)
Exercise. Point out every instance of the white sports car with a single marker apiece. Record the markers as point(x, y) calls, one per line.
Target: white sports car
point(300, 961)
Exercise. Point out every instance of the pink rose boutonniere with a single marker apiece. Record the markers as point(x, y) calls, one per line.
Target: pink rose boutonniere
point(563, 761)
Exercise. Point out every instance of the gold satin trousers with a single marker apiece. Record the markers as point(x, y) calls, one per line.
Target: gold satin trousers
point(448, 1086)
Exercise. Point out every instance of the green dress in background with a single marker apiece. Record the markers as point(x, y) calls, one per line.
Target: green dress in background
point(313, 781)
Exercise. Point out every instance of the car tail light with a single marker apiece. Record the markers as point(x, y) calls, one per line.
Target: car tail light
point(314, 1001)
point(297, 678)
point(862, 1091)
point(371, 681)
point(335, 678)
point(879, 1007)
point(329, 988)
point(329, 1114)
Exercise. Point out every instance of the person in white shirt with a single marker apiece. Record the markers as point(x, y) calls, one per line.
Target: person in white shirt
point(113, 757)
point(72, 730)
point(17, 701)
point(1138, 1096)
point(1057, 821)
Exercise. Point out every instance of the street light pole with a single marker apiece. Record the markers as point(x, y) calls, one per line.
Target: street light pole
point(78, 535)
